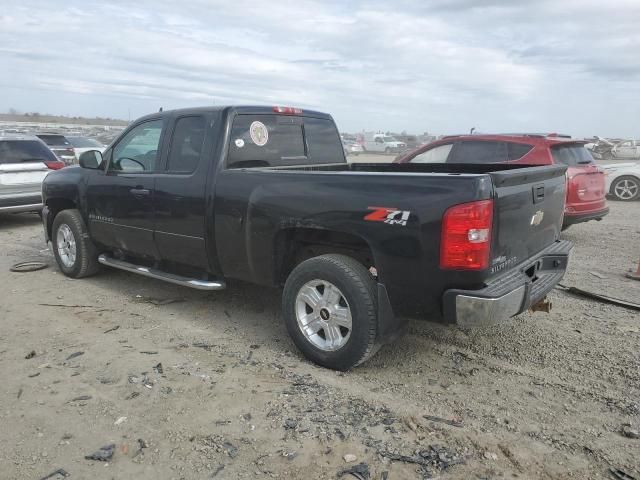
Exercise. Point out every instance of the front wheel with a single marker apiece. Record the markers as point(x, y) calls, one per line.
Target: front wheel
point(330, 310)
point(626, 188)
point(74, 251)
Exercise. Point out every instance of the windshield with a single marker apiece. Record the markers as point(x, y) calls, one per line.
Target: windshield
point(572, 155)
point(84, 142)
point(389, 139)
point(19, 151)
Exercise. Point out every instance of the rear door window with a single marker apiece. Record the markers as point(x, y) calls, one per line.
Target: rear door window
point(479, 152)
point(323, 141)
point(266, 140)
point(437, 154)
point(186, 145)
point(571, 155)
point(23, 151)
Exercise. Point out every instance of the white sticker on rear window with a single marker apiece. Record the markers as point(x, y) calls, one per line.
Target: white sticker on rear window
point(259, 133)
point(239, 142)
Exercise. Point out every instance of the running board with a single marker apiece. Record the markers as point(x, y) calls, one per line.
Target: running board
point(159, 275)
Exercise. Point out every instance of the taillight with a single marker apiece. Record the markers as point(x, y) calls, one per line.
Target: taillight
point(54, 165)
point(287, 110)
point(466, 236)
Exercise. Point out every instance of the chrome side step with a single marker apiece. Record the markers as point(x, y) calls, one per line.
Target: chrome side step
point(159, 275)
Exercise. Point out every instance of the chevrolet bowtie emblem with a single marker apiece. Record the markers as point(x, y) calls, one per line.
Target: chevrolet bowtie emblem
point(537, 218)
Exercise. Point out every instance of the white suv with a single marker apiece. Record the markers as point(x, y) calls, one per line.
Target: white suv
point(24, 162)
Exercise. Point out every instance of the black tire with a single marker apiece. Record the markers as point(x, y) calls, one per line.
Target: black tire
point(86, 260)
point(630, 179)
point(359, 290)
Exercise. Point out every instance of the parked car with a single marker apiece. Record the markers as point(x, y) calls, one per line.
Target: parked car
point(60, 146)
point(24, 162)
point(352, 148)
point(623, 181)
point(626, 150)
point(199, 196)
point(586, 192)
point(84, 144)
point(379, 142)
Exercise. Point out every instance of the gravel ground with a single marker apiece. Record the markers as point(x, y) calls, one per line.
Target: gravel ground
point(210, 386)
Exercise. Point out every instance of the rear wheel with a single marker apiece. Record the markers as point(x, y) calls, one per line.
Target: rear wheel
point(329, 304)
point(74, 251)
point(626, 188)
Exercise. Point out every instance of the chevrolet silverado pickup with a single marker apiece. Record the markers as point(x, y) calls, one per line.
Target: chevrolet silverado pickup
point(198, 197)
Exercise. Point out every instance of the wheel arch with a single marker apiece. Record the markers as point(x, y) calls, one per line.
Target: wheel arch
point(55, 206)
point(294, 245)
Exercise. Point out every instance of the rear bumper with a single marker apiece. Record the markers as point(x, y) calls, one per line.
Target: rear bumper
point(512, 293)
point(579, 217)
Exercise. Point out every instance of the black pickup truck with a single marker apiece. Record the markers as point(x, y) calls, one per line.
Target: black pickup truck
point(265, 195)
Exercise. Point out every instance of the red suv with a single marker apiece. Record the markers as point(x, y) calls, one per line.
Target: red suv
point(585, 181)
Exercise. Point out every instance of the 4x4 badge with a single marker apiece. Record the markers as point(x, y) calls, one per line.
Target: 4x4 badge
point(389, 215)
point(537, 218)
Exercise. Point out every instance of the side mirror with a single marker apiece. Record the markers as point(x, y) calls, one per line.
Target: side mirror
point(91, 159)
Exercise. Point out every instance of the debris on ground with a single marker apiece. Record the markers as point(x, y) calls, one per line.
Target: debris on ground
point(34, 374)
point(159, 301)
point(24, 267)
point(81, 398)
point(120, 420)
point(600, 297)
point(30, 355)
point(217, 470)
point(349, 458)
point(453, 423)
point(435, 457)
point(61, 471)
point(204, 345)
point(628, 431)
point(149, 352)
point(599, 275)
point(141, 446)
point(103, 454)
point(620, 474)
point(359, 471)
point(74, 355)
point(112, 329)
point(158, 368)
point(290, 424)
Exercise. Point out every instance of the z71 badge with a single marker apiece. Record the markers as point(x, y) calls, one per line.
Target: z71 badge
point(389, 215)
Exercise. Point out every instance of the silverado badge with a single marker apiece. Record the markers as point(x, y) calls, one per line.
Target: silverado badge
point(537, 218)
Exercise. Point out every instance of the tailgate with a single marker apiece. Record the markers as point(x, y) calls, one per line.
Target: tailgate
point(528, 213)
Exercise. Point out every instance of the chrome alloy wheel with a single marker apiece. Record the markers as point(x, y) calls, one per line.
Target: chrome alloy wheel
point(66, 245)
point(626, 189)
point(323, 315)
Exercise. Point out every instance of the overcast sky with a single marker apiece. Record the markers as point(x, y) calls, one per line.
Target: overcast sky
point(442, 66)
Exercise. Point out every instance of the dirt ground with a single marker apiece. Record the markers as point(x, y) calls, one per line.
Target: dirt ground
point(210, 386)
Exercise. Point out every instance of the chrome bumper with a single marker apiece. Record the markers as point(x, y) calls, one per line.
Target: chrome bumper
point(511, 293)
point(477, 311)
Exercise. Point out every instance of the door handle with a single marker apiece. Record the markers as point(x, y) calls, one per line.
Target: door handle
point(139, 192)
